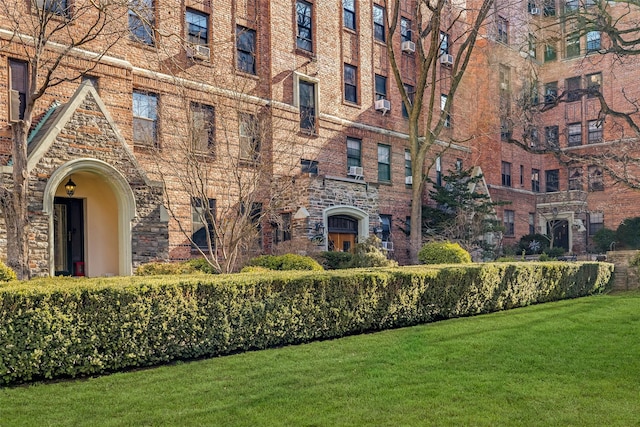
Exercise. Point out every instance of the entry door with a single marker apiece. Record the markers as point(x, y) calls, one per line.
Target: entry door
point(560, 230)
point(68, 225)
point(342, 242)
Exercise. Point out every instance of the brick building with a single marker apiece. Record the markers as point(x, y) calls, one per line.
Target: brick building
point(285, 107)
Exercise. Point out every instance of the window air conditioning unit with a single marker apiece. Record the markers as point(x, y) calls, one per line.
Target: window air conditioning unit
point(408, 46)
point(356, 171)
point(446, 59)
point(387, 246)
point(383, 105)
point(504, 86)
point(535, 11)
point(408, 180)
point(198, 51)
point(14, 106)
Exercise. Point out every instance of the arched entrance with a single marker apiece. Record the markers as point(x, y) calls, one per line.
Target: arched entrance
point(346, 226)
point(90, 230)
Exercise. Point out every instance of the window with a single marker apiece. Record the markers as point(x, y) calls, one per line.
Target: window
point(593, 41)
point(504, 75)
point(145, 118)
point(57, 7)
point(439, 171)
point(405, 30)
point(509, 223)
point(309, 166)
point(575, 178)
point(572, 45)
point(573, 88)
point(551, 136)
point(532, 135)
point(249, 136)
point(203, 213)
point(443, 104)
point(378, 23)
point(385, 223)
point(202, 127)
point(384, 162)
point(594, 83)
point(596, 222)
point(354, 152)
point(521, 175)
point(571, 6)
point(410, 94)
point(550, 92)
point(407, 167)
point(197, 27)
point(381, 87)
point(505, 128)
point(350, 83)
point(458, 165)
point(595, 131)
point(307, 99)
point(596, 182)
point(533, 47)
point(444, 43)
point(574, 134)
point(550, 53)
point(535, 180)
point(506, 174)
point(532, 223)
point(552, 180)
point(304, 39)
point(246, 49)
point(141, 20)
point(18, 84)
point(349, 14)
point(283, 228)
point(503, 30)
point(549, 8)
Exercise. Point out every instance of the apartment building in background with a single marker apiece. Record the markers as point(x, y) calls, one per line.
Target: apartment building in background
point(289, 110)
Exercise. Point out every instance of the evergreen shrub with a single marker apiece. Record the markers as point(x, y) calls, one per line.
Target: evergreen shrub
point(286, 262)
point(443, 253)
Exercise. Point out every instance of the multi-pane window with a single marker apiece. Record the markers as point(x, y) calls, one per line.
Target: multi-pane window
point(574, 134)
point(141, 20)
point(444, 43)
point(380, 87)
point(145, 118)
point(405, 30)
point(572, 45)
point(407, 167)
point(596, 222)
point(378, 23)
point(249, 136)
point(304, 39)
point(350, 83)
point(197, 27)
point(385, 223)
point(549, 8)
point(595, 131)
point(18, 84)
point(535, 180)
point(203, 212)
point(354, 152)
point(551, 136)
point(573, 88)
point(309, 166)
point(532, 45)
point(458, 165)
point(593, 41)
point(550, 53)
point(502, 30)
point(410, 94)
point(571, 6)
point(506, 174)
point(57, 7)
point(384, 162)
point(283, 229)
point(439, 171)
point(349, 14)
point(443, 104)
point(509, 222)
point(532, 223)
point(307, 99)
point(552, 180)
point(246, 49)
point(202, 127)
point(575, 178)
point(550, 92)
point(596, 182)
point(594, 83)
point(505, 128)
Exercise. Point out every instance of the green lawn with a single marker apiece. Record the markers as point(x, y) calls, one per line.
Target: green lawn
point(571, 363)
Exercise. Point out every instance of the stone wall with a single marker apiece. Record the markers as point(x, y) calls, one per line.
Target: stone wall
point(625, 276)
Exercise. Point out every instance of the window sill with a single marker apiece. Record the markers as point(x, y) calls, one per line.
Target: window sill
point(308, 53)
point(350, 103)
point(385, 182)
point(350, 30)
point(308, 133)
point(251, 76)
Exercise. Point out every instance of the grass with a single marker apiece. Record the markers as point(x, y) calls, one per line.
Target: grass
point(571, 363)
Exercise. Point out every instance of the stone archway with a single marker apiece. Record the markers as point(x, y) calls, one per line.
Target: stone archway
point(106, 182)
point(358, 215)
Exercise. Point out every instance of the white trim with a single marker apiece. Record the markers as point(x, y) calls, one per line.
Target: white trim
point(359, 214)
point(122, 192)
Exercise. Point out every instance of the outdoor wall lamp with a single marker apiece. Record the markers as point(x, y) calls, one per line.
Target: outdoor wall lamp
point(70, 186)
point(319, 228)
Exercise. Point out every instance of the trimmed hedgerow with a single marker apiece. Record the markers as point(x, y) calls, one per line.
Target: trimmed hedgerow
point(57, 328)
point(6, 273)
point(286, 262)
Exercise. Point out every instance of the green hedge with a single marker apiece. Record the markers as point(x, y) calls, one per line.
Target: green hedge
point(64, 327)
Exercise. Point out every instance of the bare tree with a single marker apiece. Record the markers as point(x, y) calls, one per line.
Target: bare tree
point(429, 112)
point(59, 42)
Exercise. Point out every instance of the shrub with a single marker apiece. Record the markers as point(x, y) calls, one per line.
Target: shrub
point(554, 252)
point(201, 264)
point(533, 244)
point(6, 273)
point(255, 269)
point(443, 253)
point(286, 262)
point(603, 238)
point(164, 268)
point(333, 260)
point(628, 233)
point(370, 254)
